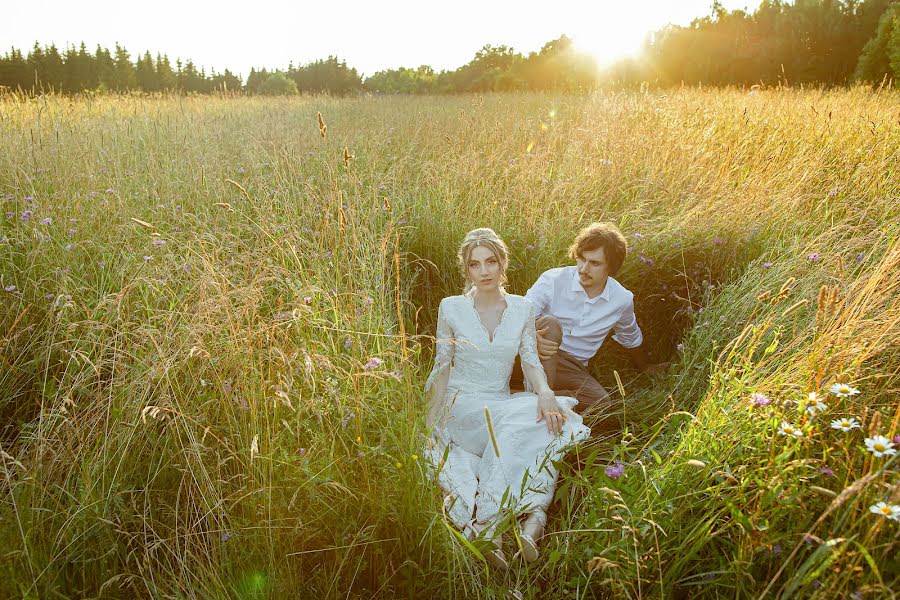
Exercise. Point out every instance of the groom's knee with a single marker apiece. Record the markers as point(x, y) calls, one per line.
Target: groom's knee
point(552, 325)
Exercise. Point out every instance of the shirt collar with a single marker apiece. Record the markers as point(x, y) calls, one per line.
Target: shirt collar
point(576, 287)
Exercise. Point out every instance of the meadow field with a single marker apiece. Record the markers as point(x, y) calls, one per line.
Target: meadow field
point(216, 316)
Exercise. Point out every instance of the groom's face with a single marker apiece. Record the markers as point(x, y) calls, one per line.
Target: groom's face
point(592, 269)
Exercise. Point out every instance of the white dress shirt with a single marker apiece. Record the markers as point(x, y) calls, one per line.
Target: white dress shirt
point(585, 321)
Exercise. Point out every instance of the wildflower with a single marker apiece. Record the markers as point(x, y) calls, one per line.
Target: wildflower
point(605, 162)
point(110, 191)
point(842, 390)
point(615, 470)
point(880, 446)
point(860, 257)
point(680, 347)
point(891, 511)
point(857, 595)
point(826, 471)
point(718, 241)
point(67, 247)
point(776, 549)
point(158, 242)
point(101, 264)
point(760, 399)
point(897, 439)
point(530, 247)
point(70, 232)
point(328, 254)
point(637, 236)
point(346, 420)
point(301, 451)
point(29, 199)
point(146, 258)
point(813, 403)
point(73, 220)
point(832, 192)
point(26, 215)
point(789, 430)
point(227, 536)
point(768, 265)
point(645, 260)
point(348, 343)
point(813, 256)
point(808, 539)
point(373, 363)
point(10, 288)
point(307, 300)
point(845, 424)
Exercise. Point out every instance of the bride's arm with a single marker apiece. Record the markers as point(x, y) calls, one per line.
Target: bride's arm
point(436, 385)
point(548, 407)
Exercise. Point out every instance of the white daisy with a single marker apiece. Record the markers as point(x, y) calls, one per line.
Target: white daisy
point(812, 404)
point(842, 390)
point(891, 511)
point(845, 424)
point(789, 430)
point(880, 446)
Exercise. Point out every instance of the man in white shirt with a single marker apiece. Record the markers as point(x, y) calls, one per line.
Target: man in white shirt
point(577, 306)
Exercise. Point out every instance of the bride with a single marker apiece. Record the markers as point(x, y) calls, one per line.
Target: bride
point(493, 451)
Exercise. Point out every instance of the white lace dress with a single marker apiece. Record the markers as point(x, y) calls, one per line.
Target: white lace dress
point(478, 482)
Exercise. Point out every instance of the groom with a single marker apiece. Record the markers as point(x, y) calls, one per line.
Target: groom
point(577, 306)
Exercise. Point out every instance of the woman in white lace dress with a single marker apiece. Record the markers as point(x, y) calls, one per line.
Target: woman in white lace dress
point(487, 477)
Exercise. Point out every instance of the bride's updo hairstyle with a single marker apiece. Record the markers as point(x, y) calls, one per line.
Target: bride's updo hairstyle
point(488, 238)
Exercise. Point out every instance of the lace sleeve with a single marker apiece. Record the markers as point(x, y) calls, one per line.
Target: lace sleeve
point(443, 348)
point(528, 345)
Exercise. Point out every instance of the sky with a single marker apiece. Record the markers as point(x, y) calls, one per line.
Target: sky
point(369, 35)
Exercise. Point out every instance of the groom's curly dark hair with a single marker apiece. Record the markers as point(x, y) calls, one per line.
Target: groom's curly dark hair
point(602, 235)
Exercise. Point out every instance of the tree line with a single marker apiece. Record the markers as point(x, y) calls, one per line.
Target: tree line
point(819, 42)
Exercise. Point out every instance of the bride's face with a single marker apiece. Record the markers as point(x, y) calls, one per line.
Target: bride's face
point(484, 269)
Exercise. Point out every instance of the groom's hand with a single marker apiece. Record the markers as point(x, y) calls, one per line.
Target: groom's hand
point(546, 348)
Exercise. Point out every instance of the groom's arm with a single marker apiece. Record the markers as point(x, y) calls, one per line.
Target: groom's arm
point(629, 335)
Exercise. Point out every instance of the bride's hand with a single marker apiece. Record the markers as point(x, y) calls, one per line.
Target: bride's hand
point(550, 410)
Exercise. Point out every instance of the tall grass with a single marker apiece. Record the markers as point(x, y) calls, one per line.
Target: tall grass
point(190, 401)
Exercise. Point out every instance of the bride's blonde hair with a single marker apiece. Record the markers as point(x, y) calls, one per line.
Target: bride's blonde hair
point(483, 236)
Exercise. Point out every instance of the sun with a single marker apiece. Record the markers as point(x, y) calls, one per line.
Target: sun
point(610, 33)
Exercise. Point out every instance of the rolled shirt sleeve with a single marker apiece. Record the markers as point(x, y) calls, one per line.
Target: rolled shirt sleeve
point(627, 332)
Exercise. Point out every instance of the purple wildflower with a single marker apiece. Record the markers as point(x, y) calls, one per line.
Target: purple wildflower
point(860, 257)
point(776, 549)
point(615, 470)
point(718, 241)
point(897, 439)
point(813, 256)
point(373, 363)
point(857, 595)
point(46, 221)
point(530, 247)
point(10, 215)
point(816, 584)
point(73, 220)
point(768, 265)
point(605, 162)
point(49, 296)
point(110, 191)
point(227, 536)
point(808, 539)
point(826, 471)
point(70, 232)
point(307, 300)
point(760, 399)
point(328, 254)
point(10, 288)
point(67, 247)
point(348, 343)
point(832, 192)
point(101, 264)
point(346, 420)
point(146, 258)
point(301, 451)
point(158, 242)
point(29, 199)
point(26, 215)
point(646, 260)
